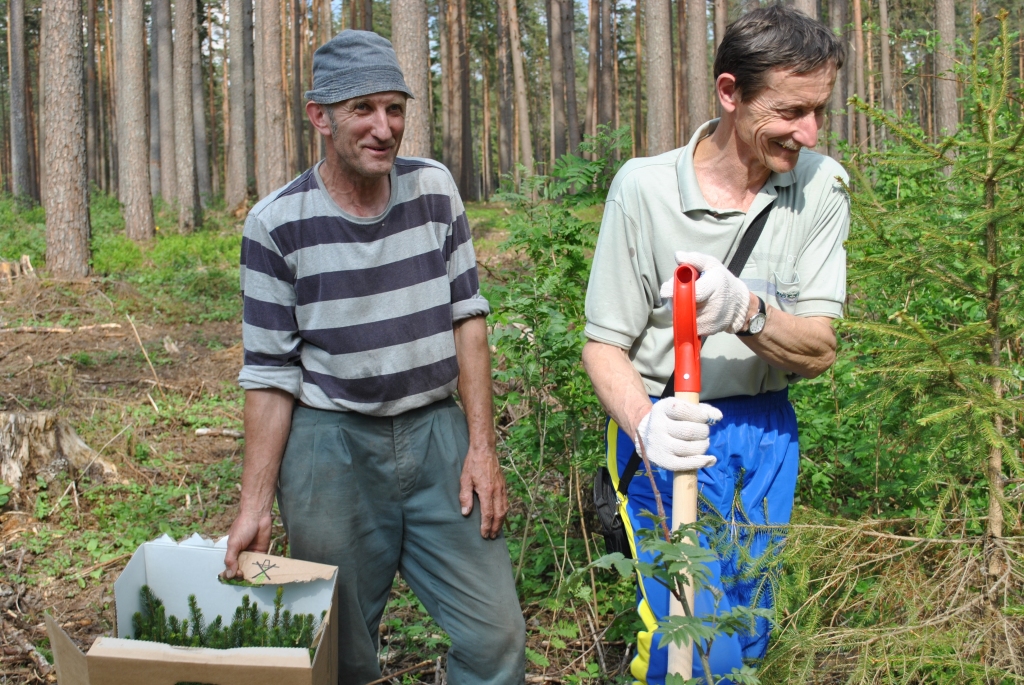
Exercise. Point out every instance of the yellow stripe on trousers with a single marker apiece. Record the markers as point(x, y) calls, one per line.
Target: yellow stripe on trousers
point(645, 638)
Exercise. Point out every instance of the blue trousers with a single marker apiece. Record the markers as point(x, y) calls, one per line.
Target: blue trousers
point(747, 496)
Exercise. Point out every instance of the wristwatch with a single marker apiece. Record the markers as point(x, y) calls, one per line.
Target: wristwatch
point(756, 323)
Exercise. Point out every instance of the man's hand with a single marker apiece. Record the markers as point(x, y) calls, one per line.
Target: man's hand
point(723, 301)
point(249, 532)
point(675, 434)
point(482, 475)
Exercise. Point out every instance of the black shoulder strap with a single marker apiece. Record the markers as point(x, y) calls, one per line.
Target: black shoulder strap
point(736, 264)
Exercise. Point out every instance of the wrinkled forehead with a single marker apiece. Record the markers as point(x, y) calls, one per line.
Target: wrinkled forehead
point(810, 88)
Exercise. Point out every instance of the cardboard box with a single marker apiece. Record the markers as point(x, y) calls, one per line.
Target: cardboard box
point(174, 571)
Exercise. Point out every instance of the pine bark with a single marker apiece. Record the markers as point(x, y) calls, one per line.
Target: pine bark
point(721, 21)
point(639, 145)
point(238, 142)
point(67, 196)
point(447, 74)
point(408, 17)
point(298, 106)
point(272, 164)
point(468, 181)
point(91, 111)
point(21, 183)
point(249, 74)
point(133, 170)
point(184, 118)
point(165, 86)
point(519, 78)
point(559, 124)
point(883, 20)
point(946, 110)
point(837, 106)
point(697, 91)
point(660, 89)
point(154, 108)
point(808, 7)
point(204, 183)
point(605, 113)
point(858, 69)
point(506, 118)
point(568, 25)
point(593, 66)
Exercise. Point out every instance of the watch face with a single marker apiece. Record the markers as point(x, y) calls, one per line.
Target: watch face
point(757, 323)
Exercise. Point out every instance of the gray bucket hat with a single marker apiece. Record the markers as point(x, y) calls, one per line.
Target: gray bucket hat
point(352, 64)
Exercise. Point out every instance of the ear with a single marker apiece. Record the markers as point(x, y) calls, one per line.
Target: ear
point(317, 114)
point(728, 93)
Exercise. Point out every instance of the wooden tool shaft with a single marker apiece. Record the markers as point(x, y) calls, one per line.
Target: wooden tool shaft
point(684, 510)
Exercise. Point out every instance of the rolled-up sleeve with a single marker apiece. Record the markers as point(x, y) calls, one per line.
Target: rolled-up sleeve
point(461, 263)
point(822, 263)
point(270, 333)
point(618, 305)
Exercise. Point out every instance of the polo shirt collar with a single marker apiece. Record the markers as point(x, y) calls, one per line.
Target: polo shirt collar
point(690, 196)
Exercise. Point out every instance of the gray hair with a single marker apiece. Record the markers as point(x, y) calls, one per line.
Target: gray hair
point(775, 37)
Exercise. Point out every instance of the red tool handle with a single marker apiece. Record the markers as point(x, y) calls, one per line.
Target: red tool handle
point(684, 324)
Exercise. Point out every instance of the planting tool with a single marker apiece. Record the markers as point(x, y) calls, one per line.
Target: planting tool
point(687, 389)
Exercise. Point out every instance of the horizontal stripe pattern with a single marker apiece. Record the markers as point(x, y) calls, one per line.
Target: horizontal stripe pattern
point(356, 313)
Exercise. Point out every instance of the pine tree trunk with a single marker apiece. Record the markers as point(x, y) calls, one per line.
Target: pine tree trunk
point(468, 187)
point(486, 171)
point(808, 7)
point(91, 112)
point(946, 112)
point(21, 183)
point(298, 105)
point(858, 67)
point(721, 21)
point(519, 78)
point(39, 158)
point(154, 109)
point(453, 100)
point(204, 184)
point(133, 170)
point(559, 125)
point(367, 15)
point(593, 67)
point(681, 85)
point(67, 196)
point(184, 117)
point(113, 139)
point(236, 176)
point(697, 93)
point(604, 103)
point(408, 17)
point(165, 86)
point(660, 91)
point(568, 24)
point(249, 74)
point(883, 20)
point(272, 164)
point(638, 112)
point(505, 95)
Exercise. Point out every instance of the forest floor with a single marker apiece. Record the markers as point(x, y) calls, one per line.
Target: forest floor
point(138, 401)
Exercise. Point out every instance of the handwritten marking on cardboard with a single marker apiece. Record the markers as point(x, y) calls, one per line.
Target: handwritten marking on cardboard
point(263, 566)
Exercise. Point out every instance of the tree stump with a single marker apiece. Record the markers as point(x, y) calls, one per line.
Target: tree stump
point(43, 444)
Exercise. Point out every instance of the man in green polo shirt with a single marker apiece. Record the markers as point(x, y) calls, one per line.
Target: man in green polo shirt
point(766, 328)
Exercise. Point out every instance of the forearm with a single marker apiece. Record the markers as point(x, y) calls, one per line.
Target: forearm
point(474, 358)
point(805, 346)
point(268, 420)
point(617, 384)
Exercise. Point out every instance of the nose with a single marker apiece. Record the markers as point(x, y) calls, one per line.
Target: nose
point(807, 126)
point(380, 128)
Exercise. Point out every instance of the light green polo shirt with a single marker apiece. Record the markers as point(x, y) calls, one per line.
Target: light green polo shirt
point(656, 207)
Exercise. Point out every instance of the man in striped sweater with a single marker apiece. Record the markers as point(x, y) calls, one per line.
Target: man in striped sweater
point(362, 316)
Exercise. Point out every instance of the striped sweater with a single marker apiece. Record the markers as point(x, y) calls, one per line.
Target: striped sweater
point(355, 314)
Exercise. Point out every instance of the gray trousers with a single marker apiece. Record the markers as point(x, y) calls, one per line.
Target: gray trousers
point(376, 495)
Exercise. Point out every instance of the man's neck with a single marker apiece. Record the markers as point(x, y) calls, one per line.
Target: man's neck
point(727, 171)
point(356, 195)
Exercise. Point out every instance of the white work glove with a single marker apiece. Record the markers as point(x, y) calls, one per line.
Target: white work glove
point(675, 434)
point(723, 300)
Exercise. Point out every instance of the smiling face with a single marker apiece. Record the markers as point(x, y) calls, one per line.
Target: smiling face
point(366, 132)
point(772, 126)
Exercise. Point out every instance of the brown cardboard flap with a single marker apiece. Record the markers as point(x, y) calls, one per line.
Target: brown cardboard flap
point(263, 569)
point(114, 661)
point(67, 657)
